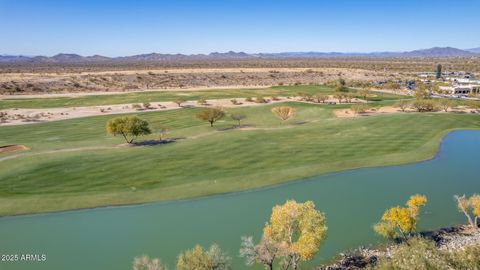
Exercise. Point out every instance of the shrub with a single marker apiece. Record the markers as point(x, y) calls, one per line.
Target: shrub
point(359, 108)
point(136, 106)
point(445, 104)
point(402, 104)
point(320, 98)
point(202, 101)
point(469, 258)
point(341, 85)
point(260, 99)
point(416, 253)
point(424, 105)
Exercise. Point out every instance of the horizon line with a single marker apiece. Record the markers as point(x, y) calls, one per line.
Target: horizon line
point(232, 51)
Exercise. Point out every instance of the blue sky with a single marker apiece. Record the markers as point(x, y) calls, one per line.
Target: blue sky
point(116, 28)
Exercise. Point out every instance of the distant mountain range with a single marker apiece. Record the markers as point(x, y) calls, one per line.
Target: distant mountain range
point(474, 50)
point(436, 52)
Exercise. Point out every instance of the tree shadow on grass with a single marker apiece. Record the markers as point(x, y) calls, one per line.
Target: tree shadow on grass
point(156, 142)
point(299, 123)
point(236, 127)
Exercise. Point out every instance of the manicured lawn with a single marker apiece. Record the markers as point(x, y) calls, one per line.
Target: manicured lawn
point(208, 160)
point(155, 96)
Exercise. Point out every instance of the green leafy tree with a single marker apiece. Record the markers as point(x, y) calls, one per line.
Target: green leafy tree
point(130, 127)
point(179, 101)
point(211, 115)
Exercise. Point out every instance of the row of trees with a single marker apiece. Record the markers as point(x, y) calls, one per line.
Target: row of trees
point(341, 96)
point(212, 115)
point(401, 222)
point(130, 127)
point(296, 231)
point(426, 105)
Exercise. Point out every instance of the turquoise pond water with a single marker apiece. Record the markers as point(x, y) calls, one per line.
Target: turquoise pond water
point(109, 238)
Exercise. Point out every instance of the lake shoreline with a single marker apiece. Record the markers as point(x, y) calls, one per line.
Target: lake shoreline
point(452, 238)
point(437, 153)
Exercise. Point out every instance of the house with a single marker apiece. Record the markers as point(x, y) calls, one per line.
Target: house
point(462, 89)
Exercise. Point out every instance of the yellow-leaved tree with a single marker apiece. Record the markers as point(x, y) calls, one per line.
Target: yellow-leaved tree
point(465, 205)
point(401, 221)
point(284, 112)
point(475, 204)
point(300, 228)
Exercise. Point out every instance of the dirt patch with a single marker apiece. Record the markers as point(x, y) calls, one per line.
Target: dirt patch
point(12, 148)
point(347, 113)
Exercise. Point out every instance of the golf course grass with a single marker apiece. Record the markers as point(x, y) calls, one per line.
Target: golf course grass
point(166, 95)
point(74, 164)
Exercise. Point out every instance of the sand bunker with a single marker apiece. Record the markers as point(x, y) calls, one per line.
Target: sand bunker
point(12, 148)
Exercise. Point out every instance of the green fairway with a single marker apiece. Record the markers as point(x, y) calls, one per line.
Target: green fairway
point(74, 164)
point(165, 95)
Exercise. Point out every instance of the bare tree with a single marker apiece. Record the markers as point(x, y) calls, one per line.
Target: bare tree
point(145, 263)
point(264, 252)
point(238, 117)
